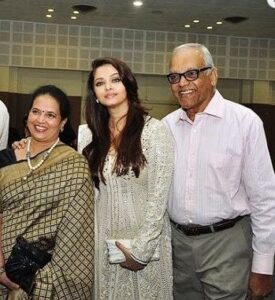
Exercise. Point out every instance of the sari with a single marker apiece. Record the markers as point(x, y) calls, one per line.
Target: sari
point(53, 206)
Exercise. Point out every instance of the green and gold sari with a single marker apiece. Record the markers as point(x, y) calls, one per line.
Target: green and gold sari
point(54, 206)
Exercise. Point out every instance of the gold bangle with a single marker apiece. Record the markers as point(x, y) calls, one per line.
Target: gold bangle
point(2, 270)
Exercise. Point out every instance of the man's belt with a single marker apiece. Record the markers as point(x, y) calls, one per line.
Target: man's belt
point(203, 229)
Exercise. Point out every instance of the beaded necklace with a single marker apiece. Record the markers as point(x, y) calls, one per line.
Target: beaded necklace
point(39, 164)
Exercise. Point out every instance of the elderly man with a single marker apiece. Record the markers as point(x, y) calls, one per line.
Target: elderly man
point(4, 126)
point(222, 199)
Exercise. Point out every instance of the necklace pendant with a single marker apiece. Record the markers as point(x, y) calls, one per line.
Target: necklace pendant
point(27, 175)
point(39, 164)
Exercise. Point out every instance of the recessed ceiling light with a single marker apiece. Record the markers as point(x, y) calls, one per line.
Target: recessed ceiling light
point(187, 26)
point(48, 16)
point(76, 12)
point(137, 3)
point(83, 8)
point(209, 27)
point(196, 21)
point(235, 19)
point(50, 10)
point(219, 22)
point(73, 17)
point(271, 3)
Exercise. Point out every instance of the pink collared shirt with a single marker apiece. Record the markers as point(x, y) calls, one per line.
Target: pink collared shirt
point(222, 170)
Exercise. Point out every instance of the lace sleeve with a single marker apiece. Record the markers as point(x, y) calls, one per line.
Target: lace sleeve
point(160, 160)
point(84, 137)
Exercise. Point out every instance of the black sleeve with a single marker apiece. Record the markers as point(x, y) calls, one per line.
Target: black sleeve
point(7, 157)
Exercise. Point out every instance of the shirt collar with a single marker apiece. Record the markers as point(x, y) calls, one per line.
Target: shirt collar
point(183, 116)
point(214, 108)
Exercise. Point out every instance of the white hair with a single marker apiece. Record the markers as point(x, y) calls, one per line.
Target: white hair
point(207, 57)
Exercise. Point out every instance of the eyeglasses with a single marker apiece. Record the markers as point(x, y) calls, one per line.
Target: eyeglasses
point(189, 75)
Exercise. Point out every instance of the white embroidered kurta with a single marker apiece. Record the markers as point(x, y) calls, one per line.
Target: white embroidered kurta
point(4, 126)
point(135, 208)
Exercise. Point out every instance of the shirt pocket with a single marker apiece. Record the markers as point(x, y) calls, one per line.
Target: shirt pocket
point(227, 170)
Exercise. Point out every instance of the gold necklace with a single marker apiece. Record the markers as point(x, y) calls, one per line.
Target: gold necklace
point(39, 164)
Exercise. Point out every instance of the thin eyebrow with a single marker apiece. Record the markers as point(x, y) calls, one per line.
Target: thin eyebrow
point(112, 75)
point(115, 74)
point(51, 112)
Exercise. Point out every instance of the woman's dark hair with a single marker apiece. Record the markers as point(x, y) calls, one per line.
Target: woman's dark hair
point(57, 94)
point(68, 136)
point(129, 149)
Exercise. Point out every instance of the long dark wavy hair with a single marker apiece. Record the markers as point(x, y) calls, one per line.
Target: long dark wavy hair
point(129, 149)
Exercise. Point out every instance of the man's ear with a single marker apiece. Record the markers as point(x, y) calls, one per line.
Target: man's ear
point(214, 77)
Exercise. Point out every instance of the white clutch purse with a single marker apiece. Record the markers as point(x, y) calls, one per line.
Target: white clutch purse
point(116, 256)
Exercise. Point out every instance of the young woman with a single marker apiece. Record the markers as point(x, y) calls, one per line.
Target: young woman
point(131, 159)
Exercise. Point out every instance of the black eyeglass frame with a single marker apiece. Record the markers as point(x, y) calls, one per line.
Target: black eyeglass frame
point(198, 71)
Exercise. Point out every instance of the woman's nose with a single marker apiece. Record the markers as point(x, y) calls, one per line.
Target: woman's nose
point(41, 117)
point(108, 85)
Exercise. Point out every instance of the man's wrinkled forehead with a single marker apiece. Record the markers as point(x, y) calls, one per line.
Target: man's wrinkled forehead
point(185, 59)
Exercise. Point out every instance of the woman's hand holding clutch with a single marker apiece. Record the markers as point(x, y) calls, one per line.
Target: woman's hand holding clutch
point(4, 280)
point(129, 263)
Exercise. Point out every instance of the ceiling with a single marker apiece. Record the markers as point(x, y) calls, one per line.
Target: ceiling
point(160, 15)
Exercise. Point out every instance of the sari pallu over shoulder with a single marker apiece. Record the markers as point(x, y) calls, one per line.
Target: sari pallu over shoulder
point(54, 205)
point(18, 169)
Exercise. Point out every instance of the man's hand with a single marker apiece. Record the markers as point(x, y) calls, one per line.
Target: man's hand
point(130, 263)
point(260, 286)
point(19, 144)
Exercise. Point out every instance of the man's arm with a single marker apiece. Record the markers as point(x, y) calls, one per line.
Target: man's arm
point(259, 182)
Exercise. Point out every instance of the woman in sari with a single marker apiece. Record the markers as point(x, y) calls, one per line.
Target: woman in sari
point(46, 200)
point(131, 158)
